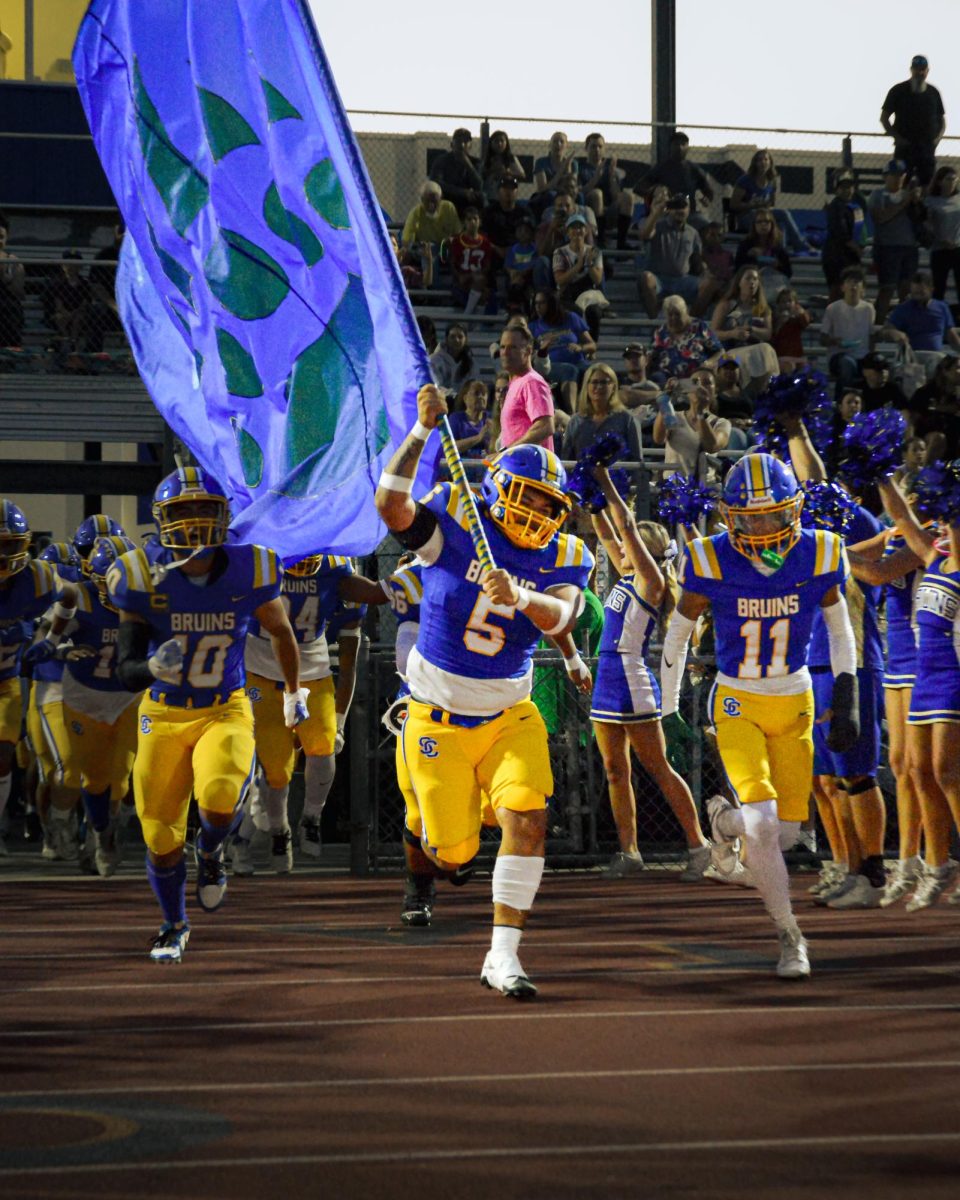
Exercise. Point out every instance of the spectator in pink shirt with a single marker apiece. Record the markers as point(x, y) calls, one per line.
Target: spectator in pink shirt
point(527, 413)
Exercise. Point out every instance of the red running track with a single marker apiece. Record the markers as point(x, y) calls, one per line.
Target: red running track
point(309, 1046)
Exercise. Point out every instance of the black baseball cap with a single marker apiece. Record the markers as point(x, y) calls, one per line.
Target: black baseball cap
point(918, 60)
point(875, 361)
point(678, 200)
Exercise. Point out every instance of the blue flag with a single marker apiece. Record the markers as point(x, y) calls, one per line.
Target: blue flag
point(257, 285)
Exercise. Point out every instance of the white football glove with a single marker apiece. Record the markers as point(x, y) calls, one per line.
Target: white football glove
point(339, 739)
point(166, 662)
point(295, 707)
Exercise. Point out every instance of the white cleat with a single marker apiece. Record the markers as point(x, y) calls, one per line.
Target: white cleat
point(503, 973)
point(698, 860)
point(862, 894)
point(281, 852)
point(794, 961)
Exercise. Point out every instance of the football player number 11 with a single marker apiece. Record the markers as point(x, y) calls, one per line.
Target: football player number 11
point(753, 639)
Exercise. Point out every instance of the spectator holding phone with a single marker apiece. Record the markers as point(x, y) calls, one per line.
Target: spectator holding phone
point(687, 423)
point(675, 261)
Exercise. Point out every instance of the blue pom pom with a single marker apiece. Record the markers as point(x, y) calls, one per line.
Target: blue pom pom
point(827, 506)
point(683, 500)
point(607, 449)
point(872, 447)
point(803, 394)
point(938, 492)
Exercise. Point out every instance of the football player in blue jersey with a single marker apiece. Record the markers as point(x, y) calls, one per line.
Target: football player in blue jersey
point(471, 726)
point(183, 625)
point(57, 790)
point(27, 589)
point(314, 589)
point(764, 578)
point(100, 714)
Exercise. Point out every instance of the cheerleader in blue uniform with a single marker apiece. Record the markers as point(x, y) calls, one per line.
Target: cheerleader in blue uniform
point(888, 560)
point(626, 698)
point(934, 718)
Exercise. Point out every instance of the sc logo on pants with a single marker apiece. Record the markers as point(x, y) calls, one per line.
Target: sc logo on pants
point(428, 747)
point(146, 725)
point(731, 706)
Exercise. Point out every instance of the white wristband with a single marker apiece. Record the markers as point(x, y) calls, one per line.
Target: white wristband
point(396, 483)
point(67, 614)
point(574, 664)
point(53, 638)
point(523, 598)
point(420, 431)
point(341, 721)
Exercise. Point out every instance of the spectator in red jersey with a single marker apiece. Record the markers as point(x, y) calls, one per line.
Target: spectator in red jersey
point(471, 261)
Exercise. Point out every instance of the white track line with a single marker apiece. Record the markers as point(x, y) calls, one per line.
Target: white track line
point(526, 1013)
point(411, 942)
point(181, 1089)
point(825, 970)
point(551, 1151)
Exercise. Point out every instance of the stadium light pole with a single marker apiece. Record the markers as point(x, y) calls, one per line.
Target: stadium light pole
point(663, 74)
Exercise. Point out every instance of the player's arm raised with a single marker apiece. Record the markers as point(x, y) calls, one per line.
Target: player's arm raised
point(393, 498)
point(273, 618)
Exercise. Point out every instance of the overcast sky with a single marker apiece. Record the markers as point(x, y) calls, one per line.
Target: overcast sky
point(810, 64)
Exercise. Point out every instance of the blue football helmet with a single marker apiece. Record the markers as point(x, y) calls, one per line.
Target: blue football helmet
point(516, 477)
point(61, 554)
point(105, 552)
point(14, 539)
point(761, 508)
point(89, 529)
point(193, 487)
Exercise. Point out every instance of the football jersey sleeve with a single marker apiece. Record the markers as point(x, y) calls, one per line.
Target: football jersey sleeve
point(700, 571)
point(130, 584)
point(267, 575)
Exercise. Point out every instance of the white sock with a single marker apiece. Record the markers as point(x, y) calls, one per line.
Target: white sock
point(6, 782)
point(248, 826)
point(761, 834)
point(318, 773)
point(505, 940)
point(473, 299)
point(275, 802)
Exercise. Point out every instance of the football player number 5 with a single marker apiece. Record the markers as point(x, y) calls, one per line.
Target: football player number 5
point(480, 636)
point(752, 634)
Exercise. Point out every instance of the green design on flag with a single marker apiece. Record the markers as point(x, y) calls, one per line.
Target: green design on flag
point(244, 278)
point(178, 276)
point(279, 107)
point(226, 129)
point(182, 188)
point(238, 367)
point(251, 456)
point(287, 225)
point(325, 194)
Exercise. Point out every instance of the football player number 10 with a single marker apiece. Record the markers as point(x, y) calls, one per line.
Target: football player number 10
point(752, 634)
point(205, 669)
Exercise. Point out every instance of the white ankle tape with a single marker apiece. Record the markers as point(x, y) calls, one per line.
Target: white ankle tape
point(516, 879)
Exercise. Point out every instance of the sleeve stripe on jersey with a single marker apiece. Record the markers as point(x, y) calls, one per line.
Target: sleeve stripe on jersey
point(83, 600)
point(569, 551)
point(139, 576)
point(821, 552)
point(410, 584)
point(41, 580)
point(703, 556)
point(264, 567)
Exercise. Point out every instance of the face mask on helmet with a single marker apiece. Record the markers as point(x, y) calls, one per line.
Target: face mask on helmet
point(306, 566)
point(14, 540)
point(90, 528)
point(761, 509)
point(524, 493)
point(105, 552)
point(191, 510)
